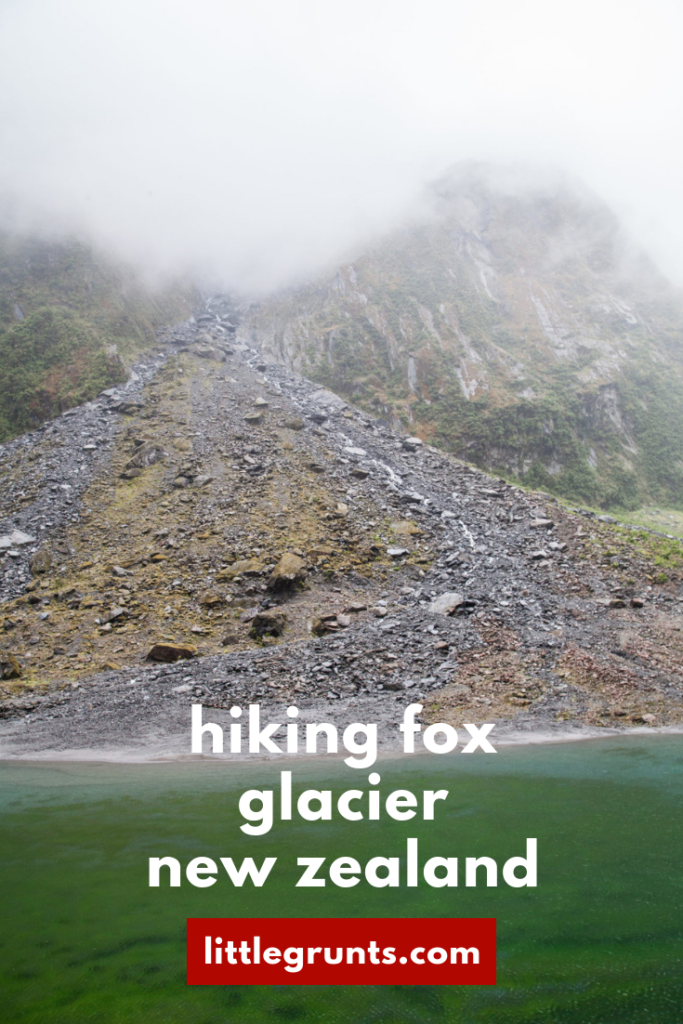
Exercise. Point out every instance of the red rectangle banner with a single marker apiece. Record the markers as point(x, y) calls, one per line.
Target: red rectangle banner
point(341, 951)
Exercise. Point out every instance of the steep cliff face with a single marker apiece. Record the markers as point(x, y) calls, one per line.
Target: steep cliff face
point(515, 325)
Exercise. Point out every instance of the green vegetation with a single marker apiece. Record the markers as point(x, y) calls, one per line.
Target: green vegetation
point(70, 322)
point(51, 361)
point(664, 520)
point(621, 546)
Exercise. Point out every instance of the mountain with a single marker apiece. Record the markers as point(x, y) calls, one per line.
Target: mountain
point(220, 529)
point(71, 321)
point(513, 324)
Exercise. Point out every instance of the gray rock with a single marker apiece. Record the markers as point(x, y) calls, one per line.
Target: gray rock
point(145, 456)
point(397, 552)
point(327, 399)
point(15, 539)
point(210, 352)
point(446, 604)
point(129, 408)
point(117, 612)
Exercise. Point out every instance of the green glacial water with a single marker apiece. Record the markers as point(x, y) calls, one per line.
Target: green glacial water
point(599, 941)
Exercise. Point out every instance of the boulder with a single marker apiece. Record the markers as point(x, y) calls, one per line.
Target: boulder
point(209, 352)
point(116, 613)
point(294, 424)
point(268, 624)
point(130, 408)
point(9, 667)
point(244, 567)
point(319, 552)
point(288, 572)
point(166, 651)
point(404, 528)
point(40, 562)
point(145, 456)
point(15, 539)
point(327, 399)
point(397, 552)
point(446, 604)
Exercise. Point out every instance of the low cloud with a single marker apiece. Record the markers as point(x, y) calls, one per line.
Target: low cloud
point(254, 143)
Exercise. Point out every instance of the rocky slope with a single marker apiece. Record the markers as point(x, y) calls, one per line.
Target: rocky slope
point(514, 325)
point(288, 548)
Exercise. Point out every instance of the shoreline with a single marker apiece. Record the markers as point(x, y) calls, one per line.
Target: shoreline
point(129, 756)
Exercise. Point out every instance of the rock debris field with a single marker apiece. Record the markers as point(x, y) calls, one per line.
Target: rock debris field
point(222, 531)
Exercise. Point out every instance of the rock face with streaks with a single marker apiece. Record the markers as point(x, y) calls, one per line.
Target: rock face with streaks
point(515, 326)
point(313, 558)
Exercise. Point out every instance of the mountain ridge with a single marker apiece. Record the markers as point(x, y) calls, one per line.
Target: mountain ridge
point(517, 327)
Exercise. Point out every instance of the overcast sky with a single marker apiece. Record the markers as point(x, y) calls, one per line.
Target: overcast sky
point(256, 140)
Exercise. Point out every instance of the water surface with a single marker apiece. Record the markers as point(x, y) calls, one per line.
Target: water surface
point(598, 941)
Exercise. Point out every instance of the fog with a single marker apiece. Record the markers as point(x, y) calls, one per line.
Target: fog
point(254, 142)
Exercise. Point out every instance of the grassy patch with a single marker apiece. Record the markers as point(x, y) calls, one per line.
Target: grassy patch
point(664, 520)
